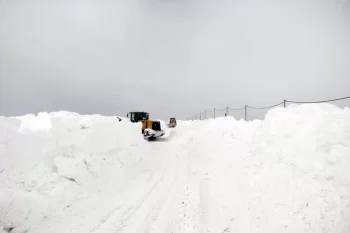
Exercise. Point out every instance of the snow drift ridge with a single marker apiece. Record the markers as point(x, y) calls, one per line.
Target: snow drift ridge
point(63, 172)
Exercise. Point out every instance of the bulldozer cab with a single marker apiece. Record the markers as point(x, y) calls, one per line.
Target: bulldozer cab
point(137, 116)
point(148, 124)
point(172, 122)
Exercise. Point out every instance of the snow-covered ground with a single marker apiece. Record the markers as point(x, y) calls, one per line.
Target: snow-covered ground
point(64, 172)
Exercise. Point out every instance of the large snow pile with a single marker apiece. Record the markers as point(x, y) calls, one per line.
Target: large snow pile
point(65, 172)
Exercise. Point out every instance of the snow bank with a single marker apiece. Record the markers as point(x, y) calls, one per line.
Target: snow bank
point(65, 172)
point(30, 122)
point(316, 138)
point(302, 168)
point(47, 162)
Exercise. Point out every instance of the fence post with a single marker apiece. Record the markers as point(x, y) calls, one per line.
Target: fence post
point(214, 113)
point(284, 103)
point(226, 111)
point(245, 112)
point(205, 114)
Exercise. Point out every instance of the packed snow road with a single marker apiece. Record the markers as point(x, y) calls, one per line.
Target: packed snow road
point(62, 172)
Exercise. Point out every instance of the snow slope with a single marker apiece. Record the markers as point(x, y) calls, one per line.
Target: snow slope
point(65, 172)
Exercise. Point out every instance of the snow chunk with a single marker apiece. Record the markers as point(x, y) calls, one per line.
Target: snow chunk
point(32, 123)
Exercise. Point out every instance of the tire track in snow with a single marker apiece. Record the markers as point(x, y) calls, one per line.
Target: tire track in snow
point(158, 201)
point(92, 214)
point(124, 209)
point(133, 210)
point(104, 219)
point(163, 203)
point(188, 211)
point(117, 221)
point(118, 208)
point(184, 212)
point(143, 217)
point(152, 210)
point(162, 212)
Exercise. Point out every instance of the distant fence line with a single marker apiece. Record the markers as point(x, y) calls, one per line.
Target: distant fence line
point(203, 115)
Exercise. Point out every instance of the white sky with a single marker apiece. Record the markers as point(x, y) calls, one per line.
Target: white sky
point(172, 58)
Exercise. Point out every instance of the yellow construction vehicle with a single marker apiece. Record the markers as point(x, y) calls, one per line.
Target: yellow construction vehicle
point(172, 123)
point(151, 129)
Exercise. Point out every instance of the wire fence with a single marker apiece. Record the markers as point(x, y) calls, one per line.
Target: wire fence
point(207, 114)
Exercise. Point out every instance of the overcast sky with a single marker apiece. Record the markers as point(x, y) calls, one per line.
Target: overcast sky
point(172, 58)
